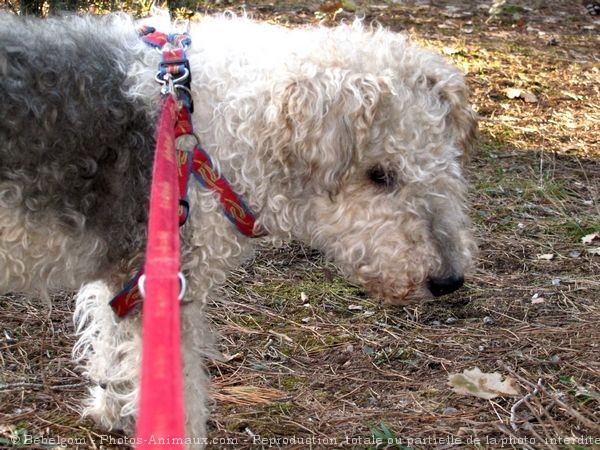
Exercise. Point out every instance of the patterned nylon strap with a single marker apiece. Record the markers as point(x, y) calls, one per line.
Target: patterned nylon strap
point(233, 206)
point(197, 162)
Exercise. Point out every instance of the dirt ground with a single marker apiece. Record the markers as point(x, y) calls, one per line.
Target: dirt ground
point(312, 362)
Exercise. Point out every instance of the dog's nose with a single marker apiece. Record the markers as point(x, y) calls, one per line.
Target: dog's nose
point(443, 286)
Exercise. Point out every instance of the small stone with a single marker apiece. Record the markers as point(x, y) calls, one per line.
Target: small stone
point(487, 320)
point(574, 254)
point(449, 410)
point(554, 359)
point(368, 350)
point(451, 320)
point(556, 281)
point(10, 339)
point(435, 323)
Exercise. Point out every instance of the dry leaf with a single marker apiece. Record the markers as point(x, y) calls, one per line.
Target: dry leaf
point(483, 385)
point(227, 357)
point(450, 51)
point(303, 297)
point(546, 256)
point(594, 251)
point(513, 93)
point(527, 96)
point(589, 238)
point(536, 299)
point(330, 7)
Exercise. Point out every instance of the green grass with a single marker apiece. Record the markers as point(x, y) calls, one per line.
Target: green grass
point(315, 286)
point(585, 395)
point(572, 229)
point(397, 355)
point(312, 344)
point(290, 382)
point(385, 438)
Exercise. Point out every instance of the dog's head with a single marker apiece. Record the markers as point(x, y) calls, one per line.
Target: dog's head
point(369, 151)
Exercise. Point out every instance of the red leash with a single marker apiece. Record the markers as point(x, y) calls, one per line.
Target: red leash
point(161, 409)
point(161, 419)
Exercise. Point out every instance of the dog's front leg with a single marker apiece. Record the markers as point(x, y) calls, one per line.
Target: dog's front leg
point(110, 351)
point(196, 347)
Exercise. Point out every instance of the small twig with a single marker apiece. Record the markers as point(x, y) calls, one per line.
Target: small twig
point(39, 386)
point(513, 410)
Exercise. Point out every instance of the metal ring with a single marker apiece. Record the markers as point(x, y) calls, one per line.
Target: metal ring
point(183, 77)
point(182, 285)
point(160, 80)
point(141, 282)
point(163, 80)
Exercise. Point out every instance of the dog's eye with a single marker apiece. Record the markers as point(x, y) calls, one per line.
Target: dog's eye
point(381, 177)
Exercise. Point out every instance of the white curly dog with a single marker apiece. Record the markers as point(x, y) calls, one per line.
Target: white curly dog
point(348, 139)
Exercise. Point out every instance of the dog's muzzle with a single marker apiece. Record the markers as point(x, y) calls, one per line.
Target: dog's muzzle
point(443, 286)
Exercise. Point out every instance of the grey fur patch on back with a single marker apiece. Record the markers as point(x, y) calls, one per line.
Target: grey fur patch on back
point(70, 136)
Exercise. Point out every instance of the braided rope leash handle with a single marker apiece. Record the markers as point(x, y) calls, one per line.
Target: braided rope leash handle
point(161, 419)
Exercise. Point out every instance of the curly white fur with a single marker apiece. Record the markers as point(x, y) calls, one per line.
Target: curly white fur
point(348, 139)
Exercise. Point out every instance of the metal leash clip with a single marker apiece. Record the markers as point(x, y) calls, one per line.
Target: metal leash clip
point(169, 84)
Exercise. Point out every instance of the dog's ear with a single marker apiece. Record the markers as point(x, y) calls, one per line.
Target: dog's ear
point(461, 118)
point(320, 123)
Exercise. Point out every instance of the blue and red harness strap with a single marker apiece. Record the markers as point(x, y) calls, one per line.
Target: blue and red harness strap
point(158, 40)
point(196, 164)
